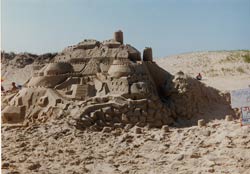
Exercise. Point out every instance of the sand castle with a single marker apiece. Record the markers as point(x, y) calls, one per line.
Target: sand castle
point(97, 84)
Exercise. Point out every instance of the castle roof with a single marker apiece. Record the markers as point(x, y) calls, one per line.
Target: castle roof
point(120, 67)
point(59, 68)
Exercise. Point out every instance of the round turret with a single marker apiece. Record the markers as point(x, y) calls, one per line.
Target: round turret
point(118, 36)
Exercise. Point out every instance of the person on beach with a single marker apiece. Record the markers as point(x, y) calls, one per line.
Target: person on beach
point(199, 77)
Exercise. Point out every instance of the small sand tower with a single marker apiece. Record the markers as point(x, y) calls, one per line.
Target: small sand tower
point(118, 36)
point(147, 54)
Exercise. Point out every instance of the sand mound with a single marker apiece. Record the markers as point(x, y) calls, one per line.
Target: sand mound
point(194, 100)
point(98, 85)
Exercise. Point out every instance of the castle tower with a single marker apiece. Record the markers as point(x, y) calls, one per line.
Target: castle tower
point(147, 54)
point(118, 36)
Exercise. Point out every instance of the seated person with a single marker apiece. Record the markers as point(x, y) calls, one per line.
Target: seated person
point(2, 88)
point(14, 87)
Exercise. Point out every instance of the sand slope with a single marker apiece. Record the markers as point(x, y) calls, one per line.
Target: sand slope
point(224, 70)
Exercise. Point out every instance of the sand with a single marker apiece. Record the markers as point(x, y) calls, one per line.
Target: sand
point(219, 147)
point(224, 70)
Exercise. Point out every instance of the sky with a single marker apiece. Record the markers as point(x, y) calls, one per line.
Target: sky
point(168, 26)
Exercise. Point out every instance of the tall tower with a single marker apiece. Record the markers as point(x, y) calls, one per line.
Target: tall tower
point(147, 54)
point(118, 36)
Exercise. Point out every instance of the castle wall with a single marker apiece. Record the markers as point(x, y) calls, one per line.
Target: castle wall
point(118, 86)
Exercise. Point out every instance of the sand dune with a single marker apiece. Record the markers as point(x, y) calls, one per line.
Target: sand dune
point(224, 70)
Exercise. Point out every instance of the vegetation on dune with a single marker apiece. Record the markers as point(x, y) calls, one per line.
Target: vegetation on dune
point(240, 69)
point(236, 56)
point(246, 57)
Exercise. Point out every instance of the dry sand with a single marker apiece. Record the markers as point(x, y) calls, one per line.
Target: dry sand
point(224, 70)
point(219, 147)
